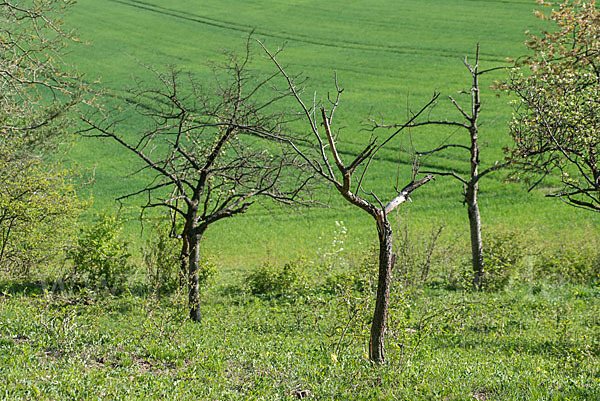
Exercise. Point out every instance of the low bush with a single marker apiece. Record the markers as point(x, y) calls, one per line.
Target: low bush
point(207, 269)
point(275, 280)
point(572, 264)
point(101, 257)
point(39, 208)
point(503, 251)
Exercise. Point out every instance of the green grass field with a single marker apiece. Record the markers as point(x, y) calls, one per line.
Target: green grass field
point(287, 314)
point(386, 54)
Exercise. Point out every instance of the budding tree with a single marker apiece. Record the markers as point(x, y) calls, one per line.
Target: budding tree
point(36, 87)
point(37, 90)
point(556, 123)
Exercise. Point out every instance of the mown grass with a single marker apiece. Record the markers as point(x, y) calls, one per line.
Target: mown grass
point(529, 342)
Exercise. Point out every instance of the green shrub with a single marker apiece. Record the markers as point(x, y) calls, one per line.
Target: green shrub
point(569, 264)
point(503, 250)
point(101, 258)
point(207, 269)
point(275, 281)
point(39, 208)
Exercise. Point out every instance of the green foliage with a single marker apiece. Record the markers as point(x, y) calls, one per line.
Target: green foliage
point(38, 202)
point(161, 254)
point(207, 270)
point(503, 250)
point(569, 264)
point(39, 208)
point(275, 280)
point(38, 88)
point(555, 126)
point(101, 258)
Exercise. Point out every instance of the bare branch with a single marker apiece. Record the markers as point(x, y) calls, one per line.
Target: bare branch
point(332, 146)
point(446, 173)
point(451, 145)
point(404, 195)
point(310, 116)
point(497, 166)
point(465, 115)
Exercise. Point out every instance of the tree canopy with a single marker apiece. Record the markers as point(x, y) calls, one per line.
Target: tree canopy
point(37, 89)
point(556, 124)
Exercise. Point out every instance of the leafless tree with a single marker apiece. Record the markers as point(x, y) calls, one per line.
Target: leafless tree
point(347, 179)
point(470, 182)
point(211, 154)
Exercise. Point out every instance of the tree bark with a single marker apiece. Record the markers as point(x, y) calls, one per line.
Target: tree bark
point(476, 240)
point(194, 238)
point(386, 262)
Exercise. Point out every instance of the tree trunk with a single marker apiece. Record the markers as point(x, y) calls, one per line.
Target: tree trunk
point(473, 186)
point(386, 262)
point(185, 250)
point(476, 241)
point(194, 238)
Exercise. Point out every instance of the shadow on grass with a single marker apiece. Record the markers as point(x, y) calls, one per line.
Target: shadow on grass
point(29, 287)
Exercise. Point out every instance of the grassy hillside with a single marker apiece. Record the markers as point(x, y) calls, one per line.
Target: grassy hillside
point(386, 54)
point(538, 343)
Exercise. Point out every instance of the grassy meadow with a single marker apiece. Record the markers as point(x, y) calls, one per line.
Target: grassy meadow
point(286, 315)
point(527, 343)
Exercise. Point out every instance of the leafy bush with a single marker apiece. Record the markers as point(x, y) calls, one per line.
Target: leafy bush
point(207, 269)
point(38, 210)
point(275, 281)
point(572, 264)
point(503, 250)
point(101, 257)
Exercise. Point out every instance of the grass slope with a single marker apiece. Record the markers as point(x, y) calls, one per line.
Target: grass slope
point(384, 53)
point(529, 343)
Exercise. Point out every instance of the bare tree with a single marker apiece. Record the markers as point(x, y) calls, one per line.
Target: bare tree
point(470, 182)
point(347, 179)
point(211, 155)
